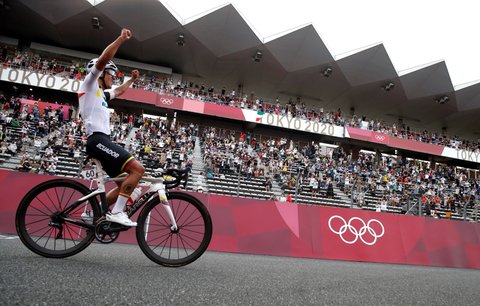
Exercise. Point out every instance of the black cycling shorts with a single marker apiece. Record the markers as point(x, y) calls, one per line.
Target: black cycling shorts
point(113, 157)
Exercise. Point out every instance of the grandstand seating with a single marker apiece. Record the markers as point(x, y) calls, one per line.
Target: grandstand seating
point(238, 185)
point(228, 182)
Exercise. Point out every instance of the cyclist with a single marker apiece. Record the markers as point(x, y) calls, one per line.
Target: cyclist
point(94, 95)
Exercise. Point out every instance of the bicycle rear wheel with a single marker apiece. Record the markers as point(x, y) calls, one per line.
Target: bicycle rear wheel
point(174, 248)
point(42, 226)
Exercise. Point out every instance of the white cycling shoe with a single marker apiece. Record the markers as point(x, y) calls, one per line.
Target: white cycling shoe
point(120, 218)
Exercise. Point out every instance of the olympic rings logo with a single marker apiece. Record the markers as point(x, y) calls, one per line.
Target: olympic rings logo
point(379, 137)
point(356, 233)
point(166, 101)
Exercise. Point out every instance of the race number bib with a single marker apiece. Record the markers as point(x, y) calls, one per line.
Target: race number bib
point(89, 173)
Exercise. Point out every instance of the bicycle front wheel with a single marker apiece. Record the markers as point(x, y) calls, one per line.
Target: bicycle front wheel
point(45, 225)
point(174, 248)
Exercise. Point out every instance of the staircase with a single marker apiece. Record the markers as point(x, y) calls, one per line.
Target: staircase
point(7, 161)
point(276, 189)
point(130, 137)
point(198, 167)
point(341, 195)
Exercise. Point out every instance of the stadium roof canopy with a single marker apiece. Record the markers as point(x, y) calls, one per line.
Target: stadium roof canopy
point(220, 47)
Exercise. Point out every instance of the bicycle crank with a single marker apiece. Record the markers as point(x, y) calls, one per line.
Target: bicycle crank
point(106, 231)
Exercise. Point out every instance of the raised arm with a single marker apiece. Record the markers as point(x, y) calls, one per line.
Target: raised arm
point(111, 49)
point(120, 90)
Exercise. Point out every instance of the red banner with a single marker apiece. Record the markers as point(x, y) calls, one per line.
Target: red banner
point(223, 111)
point(285, 229)
point(416, 146)
point(193, 106)
point(139, 95)
point(394, 142)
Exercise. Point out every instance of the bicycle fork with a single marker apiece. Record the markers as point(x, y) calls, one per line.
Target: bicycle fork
point(166, 205)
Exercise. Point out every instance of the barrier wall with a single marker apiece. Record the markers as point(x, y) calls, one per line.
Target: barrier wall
point(285, 229)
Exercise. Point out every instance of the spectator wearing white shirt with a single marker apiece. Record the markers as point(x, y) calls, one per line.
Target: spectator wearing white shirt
point(3, 147)
point(169, 156)
point(77, 155)
point(48, 151)
point(37, 143)
point(12, 148)
point(199, 183)
point(51, 168)
point(314, 184)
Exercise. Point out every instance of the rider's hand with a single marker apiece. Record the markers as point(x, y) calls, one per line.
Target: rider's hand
point(135, 74)
point(126, 34)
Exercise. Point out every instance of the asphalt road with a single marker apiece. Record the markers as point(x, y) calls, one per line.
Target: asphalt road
point(119, 274)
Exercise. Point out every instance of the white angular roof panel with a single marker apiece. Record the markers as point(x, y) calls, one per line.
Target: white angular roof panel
point(429, 81)
point(300, 49)
point(367, 66)
point(146, 18)
point(223, 32)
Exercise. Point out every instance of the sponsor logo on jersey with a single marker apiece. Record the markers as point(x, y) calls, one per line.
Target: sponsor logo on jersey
point(108, 150)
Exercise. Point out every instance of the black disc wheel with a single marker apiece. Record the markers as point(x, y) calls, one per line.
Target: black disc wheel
point(174, 247)
point(47, 223)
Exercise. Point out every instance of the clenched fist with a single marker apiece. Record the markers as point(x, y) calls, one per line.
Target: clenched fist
point(135, 74)
point(126, 34)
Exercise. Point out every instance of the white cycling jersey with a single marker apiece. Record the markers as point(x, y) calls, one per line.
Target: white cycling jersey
point(93, 103)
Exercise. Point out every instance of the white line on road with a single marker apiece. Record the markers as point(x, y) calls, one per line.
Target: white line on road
point(8, 237)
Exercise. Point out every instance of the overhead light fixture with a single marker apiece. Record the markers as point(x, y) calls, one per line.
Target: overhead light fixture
point(257, 56)
point(389, 86)
point(96, 23)
point(327, 72)
point(442, 100)
point(181, 40)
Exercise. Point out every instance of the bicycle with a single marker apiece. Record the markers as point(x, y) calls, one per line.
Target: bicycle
point(49, 218)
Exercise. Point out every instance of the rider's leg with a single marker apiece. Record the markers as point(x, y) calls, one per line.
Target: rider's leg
point(135, 172)
point(113, 194)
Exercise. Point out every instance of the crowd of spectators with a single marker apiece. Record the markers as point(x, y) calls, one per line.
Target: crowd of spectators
point(190, 90)
point(395, 179)
point(42, 63)
point(312, 168)
point(48, 133)
point(160, 143)
point(45, 130)
point(297, 108)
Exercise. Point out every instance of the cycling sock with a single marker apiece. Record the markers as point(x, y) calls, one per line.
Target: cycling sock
point(120, 204)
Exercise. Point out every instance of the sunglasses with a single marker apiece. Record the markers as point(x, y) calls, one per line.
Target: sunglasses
point(111, 73)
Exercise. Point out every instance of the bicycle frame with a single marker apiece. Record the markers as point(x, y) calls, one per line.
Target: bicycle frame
point(156, 185)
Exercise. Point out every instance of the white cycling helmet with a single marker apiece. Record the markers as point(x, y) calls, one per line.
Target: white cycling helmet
point(110, 68)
